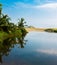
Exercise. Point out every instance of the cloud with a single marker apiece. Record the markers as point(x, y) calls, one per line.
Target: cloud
point(48, 5)
point(26, 5)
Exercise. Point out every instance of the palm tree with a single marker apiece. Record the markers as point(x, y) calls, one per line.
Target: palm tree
point(21, 26)
point(21, 23)
point(4, 21)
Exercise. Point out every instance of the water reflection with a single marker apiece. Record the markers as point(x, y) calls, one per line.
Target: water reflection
point(48, 51)
point(8, 44)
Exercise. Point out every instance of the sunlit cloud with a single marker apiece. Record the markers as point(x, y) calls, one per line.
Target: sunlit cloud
point(48, 51)
point(48, 5)
point(43, 1)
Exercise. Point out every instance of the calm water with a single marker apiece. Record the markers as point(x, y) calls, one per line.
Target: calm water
point(40, 49)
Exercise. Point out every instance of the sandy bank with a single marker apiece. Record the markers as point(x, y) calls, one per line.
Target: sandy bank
point(35, 29)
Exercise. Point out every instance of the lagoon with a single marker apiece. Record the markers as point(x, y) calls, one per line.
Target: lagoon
point(38, 48)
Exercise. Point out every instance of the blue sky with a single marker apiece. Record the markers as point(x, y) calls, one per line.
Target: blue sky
point(38, 13)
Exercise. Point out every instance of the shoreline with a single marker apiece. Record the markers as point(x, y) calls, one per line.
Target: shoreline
point(35, 29)
point(51, 30)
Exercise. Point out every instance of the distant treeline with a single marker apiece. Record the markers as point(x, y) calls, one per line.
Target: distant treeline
point(51, 30)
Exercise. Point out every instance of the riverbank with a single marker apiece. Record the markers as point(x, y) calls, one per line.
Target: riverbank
point(51, 30)
point(17, 33)
point(35, 29)
point(54, 30)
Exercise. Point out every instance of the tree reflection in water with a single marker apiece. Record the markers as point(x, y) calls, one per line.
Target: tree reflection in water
point(8, 44)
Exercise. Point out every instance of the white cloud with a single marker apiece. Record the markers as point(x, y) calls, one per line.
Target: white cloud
point(45, 6)
point(48, 5)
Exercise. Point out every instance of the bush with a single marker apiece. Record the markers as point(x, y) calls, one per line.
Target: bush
point(3, 35)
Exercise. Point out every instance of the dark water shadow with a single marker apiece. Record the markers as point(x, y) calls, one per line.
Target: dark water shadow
point(9, 43)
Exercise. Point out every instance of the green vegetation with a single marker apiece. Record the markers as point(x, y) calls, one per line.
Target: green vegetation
point(8, 29)
point(3, 36)
point(51, 30)
point(10, 34)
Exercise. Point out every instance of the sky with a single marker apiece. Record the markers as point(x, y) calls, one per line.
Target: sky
point(38, 13)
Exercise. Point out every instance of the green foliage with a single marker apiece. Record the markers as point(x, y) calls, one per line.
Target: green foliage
point(21, 26)
point(21, 22)
point(18, 33)
point(10, 34)
point(3, 36)
point(10, 28)
point(4, 20)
